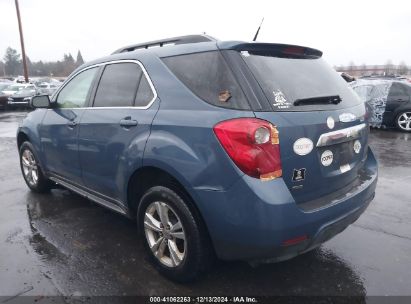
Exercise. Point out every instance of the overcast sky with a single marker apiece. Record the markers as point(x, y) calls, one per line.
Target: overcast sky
point(365, 31)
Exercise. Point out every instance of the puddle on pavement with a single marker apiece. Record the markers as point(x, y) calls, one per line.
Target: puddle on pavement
point(94, 251)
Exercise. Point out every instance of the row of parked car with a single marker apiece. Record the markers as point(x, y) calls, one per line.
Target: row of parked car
point(388, 100)
point(14, 94)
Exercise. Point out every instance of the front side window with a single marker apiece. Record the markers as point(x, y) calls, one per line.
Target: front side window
point(75, 93)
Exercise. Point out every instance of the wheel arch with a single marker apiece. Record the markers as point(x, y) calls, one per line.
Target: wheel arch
point(148, 176)
point(21, 138)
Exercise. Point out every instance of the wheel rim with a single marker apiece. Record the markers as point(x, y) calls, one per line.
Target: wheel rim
point(165, 234)
point(30, 169)
point(404, 121)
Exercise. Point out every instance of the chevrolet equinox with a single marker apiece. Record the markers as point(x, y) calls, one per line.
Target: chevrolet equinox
point(243, 151)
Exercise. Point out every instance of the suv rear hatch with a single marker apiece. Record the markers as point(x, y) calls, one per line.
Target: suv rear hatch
point(322, 126)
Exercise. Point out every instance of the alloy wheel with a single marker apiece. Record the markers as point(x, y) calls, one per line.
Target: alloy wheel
point(404, 121)
point(165, 234)
point(30, 169)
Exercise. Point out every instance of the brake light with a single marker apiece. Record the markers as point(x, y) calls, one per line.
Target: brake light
point(293, 50)
point(253, 145)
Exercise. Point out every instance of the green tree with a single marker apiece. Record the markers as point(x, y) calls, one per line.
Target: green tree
point(402, 68)
point(79, 60)
point(68, 64)
point(2, 68)
point(388, 68)
point(12, 62)
point(363, 69)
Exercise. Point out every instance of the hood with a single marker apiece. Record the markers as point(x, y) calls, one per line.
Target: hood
point(23, 93)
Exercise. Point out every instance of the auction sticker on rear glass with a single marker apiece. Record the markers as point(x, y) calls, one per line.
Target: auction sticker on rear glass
point(280, 101)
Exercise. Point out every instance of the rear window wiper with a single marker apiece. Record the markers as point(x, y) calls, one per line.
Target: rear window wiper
point(335, 99)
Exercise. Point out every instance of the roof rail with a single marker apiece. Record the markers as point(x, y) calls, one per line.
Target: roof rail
point(168, 41)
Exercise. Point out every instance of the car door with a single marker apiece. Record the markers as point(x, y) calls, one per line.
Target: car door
point(396, 99)
point(113, 132)
point(397, 96)
point(59, 129)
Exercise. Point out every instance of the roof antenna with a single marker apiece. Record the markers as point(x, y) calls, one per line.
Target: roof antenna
point(256, 34)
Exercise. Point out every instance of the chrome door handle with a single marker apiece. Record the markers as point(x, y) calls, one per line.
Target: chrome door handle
point(128, 123)
point(72, 123)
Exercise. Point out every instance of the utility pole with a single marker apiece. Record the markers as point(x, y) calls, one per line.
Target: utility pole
point(23, 51)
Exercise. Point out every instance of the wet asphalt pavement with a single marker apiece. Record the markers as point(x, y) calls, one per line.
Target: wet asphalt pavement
point(63, 244)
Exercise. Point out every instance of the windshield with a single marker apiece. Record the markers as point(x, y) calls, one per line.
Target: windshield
point(287, 80)
point(14, 88)
point(363, 91)
point(3, 86)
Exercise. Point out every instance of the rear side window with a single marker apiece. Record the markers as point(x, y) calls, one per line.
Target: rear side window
point(144, 93)
point(209, 77)
point(307, 84)
point(397, 89)
point(118, 85)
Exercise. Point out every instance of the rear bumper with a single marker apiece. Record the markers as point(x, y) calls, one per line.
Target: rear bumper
point(253, 219)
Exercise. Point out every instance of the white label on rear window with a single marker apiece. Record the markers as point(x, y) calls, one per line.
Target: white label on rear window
point(345, 168)
point(280, 101)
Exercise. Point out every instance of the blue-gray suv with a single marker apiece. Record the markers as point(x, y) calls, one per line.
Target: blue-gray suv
point(237, 150)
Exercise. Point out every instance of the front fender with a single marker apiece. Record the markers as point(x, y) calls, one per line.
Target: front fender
point(30, 127)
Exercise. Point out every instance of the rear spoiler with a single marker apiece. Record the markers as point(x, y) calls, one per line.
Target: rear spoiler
point(272, 49)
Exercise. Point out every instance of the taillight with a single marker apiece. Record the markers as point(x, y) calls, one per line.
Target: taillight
point(253, 145)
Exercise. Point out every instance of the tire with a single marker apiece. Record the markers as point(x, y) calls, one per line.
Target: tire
point(196, 248)
point(403, 121)
point(31, 170)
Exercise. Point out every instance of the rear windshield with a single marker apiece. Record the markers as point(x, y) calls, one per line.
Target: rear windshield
point(300, 84)
point(363, 92)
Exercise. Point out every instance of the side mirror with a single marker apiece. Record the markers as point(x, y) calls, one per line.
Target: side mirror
point(40, 101)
